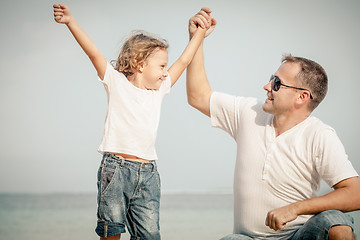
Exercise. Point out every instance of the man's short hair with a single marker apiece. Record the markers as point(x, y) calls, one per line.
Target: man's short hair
point(312, 76)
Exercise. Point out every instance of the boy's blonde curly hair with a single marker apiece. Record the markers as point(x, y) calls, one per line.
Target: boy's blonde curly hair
point(136, 49)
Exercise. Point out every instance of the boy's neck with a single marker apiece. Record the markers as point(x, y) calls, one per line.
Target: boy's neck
point(135, 80)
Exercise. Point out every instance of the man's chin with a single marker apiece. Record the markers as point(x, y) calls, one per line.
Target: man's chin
point(266, 108)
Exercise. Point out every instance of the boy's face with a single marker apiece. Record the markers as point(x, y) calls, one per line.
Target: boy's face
point(155, 69)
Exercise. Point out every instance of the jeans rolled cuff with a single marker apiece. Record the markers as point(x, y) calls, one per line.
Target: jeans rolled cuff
point(108, 229)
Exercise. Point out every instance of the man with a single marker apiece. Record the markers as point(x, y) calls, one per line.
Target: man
point(282, 153)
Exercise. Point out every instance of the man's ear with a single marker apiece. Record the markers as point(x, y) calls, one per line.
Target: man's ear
point(304, 96)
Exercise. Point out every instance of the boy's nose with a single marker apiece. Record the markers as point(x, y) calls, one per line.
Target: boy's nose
point(165, 73)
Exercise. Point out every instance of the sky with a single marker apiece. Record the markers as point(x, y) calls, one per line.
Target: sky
point(53, 107)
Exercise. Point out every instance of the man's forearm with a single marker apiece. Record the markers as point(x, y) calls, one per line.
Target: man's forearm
point(197, 85)
point(345, 199)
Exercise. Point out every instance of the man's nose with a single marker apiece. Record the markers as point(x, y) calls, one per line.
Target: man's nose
point(267, 87)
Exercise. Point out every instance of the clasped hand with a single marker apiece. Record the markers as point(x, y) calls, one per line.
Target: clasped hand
point(277, 219)
point(204, 20)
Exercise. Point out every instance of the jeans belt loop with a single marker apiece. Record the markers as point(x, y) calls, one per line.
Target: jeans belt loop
point(154, 166)
point(105, 156)
point(122, 162)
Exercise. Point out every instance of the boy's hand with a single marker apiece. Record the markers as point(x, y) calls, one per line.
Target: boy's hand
point(204, 20)
point(62, 14)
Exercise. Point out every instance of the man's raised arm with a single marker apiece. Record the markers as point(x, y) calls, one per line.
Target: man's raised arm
point(197, 85)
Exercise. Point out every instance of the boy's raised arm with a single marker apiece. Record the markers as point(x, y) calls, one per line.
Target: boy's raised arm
point(186, 57)
point(200, 26)
point(62, 15)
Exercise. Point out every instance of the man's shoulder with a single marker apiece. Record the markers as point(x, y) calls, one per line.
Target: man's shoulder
point(318, 129)
point(242, 100)
point(316, 123)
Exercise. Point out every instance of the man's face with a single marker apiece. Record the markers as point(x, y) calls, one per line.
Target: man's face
point(282, 102)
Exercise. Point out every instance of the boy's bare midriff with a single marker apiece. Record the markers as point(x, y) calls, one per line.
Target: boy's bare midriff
point(130, 157)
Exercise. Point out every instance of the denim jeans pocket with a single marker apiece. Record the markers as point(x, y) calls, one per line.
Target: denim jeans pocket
point(107, 178)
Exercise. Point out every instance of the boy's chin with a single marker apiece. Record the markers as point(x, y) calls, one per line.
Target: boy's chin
point(153, 88)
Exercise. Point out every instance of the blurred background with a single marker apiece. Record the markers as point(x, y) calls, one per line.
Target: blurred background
point(53, 108)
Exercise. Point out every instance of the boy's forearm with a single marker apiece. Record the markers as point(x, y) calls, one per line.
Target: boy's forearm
point(89, 47)
point(82, 38)
point(193, 46)
point(186, 57)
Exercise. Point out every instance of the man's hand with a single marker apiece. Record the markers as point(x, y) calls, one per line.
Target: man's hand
point(278, 218)
point(204, 20)
point(62, 14)
point(345, 197)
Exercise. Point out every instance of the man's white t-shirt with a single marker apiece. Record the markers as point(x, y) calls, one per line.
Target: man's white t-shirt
point(270, 171)
point(132, 117)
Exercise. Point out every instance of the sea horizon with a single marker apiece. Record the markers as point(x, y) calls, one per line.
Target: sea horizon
point(200, 215)
point(73, 215)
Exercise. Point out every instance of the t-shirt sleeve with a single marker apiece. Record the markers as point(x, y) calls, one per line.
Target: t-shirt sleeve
point(332, 162)
point(165, 86)
point(108, 76)
point(224, 112)
point(228, 112)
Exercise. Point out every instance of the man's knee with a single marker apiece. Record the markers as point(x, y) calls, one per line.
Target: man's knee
point(342, 232)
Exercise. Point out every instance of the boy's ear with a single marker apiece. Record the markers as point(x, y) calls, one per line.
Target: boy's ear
point(141, 67)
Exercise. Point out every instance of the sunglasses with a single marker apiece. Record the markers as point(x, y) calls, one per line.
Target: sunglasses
point(276, 84)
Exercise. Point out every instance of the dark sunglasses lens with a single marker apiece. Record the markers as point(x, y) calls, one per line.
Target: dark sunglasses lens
point(276, 84)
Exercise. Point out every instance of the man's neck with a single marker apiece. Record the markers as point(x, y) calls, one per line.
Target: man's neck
point(284, 123)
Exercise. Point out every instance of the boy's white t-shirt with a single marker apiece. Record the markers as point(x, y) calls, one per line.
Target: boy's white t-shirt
point(272, 172)
point(132, 117)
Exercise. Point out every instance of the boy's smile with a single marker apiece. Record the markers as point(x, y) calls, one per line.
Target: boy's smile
point(154, 70)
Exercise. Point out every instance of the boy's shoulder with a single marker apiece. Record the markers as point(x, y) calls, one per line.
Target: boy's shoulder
point(113, 73)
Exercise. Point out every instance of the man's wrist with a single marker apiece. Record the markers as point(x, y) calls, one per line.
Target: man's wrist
point(297, 207)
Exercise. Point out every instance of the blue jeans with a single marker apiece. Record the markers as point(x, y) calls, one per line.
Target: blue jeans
point(316, 228)
point(128, 195)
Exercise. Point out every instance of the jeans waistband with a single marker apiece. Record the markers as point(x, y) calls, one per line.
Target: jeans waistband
point(109, 157)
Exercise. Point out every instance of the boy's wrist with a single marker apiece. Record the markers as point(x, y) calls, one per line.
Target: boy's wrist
point(71, 20)
point(199, 31)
